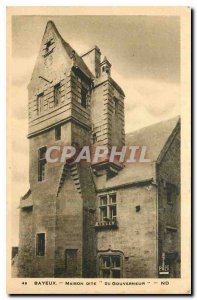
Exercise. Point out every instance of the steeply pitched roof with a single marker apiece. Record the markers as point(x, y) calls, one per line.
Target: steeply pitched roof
point(155, 137)
point(78, 60)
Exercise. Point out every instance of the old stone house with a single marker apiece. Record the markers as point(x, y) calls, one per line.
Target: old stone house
point(95, 220)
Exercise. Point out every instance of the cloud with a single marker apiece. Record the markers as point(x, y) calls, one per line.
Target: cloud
point(21, 70)
point(148, 101)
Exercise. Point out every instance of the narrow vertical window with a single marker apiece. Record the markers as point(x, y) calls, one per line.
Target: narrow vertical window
point(171, 193)
point(84, 97)
point(94, 138)
point(40, 244)
point(48, 45)
point(116, 106)
point(103, 208)
point(40, 103)
point(41, 163)
point(112, 207)
point(57, 94)
point(71, 262)
point(58, 133)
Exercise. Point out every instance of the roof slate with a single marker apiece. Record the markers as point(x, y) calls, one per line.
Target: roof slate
point(78, 60)
point(154, 137)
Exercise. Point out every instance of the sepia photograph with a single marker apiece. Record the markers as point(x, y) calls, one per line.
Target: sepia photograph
point(95, 162)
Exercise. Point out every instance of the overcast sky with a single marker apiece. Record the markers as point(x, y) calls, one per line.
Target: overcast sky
point(145, 55)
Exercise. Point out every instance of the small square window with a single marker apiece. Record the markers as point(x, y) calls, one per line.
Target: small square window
point(137, 208)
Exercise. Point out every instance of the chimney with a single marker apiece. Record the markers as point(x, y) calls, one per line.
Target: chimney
point(93, 59)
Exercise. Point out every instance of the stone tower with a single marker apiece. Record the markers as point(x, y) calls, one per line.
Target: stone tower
point(73, 100)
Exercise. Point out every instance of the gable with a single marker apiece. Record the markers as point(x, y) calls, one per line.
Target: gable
point(52, 61)
point(55, 59)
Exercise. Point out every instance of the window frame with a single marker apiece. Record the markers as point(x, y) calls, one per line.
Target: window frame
point(170, 193)
point(58, 133)
point(110, 255)
point(41, 164)
point(48, 47)
point(108, 207)
point(67, 250)
point(116, 105)
point(40, 106)
point(57, 94)
point(36, 247)
point(84, 93)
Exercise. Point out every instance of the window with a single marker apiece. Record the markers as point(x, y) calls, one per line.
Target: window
point(71, 262)
point(116, 105)
point(94, 138)
point(58, 133)
point(57, 94)
point(110, 266)
point(40, 103)
point(108, 207)
point(40, 244)
point(171, 193)
point(48, 47)
point(84, 97)
point(171, 234)
point(41, 163)
point(137, 208)
point(48, 44)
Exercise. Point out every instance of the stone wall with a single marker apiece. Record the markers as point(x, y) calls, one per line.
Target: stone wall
point(168, 171)
point(135, 236)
